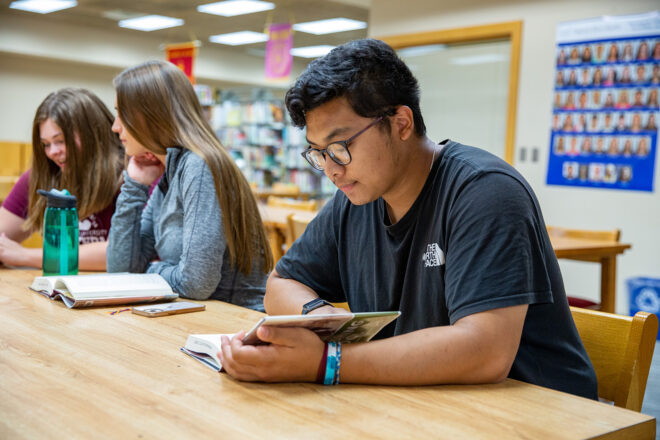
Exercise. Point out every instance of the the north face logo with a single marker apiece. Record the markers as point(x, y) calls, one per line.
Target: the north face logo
point(433, 256)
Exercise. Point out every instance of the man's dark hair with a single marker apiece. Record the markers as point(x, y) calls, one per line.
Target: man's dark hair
point(368, 73)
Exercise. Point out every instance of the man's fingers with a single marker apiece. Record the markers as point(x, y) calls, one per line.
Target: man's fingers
point(287, 337)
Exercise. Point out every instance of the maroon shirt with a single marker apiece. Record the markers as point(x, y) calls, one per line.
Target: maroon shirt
point(92, 229)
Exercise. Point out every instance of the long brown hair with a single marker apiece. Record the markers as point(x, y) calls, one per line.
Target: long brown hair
point(94, 154)
point(158, 106)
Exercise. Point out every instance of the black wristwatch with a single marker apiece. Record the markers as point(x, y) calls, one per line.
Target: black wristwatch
point(314, 304)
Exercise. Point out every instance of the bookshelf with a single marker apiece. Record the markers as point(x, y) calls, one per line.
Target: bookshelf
point(265, 145)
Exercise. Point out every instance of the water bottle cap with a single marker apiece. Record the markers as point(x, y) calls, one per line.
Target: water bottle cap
point(58, 199)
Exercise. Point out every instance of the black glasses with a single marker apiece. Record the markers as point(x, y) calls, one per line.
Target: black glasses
point(338, 150)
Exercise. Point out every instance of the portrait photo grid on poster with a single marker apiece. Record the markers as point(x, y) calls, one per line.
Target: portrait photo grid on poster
point(605, 113)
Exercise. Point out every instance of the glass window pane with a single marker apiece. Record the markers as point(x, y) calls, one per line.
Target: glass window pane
point(464, 91)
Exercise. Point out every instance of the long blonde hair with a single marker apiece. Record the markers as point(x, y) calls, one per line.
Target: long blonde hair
point(158, 106)
point(94, 154)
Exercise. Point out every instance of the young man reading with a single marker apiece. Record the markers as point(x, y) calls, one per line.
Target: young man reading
point(450, 235)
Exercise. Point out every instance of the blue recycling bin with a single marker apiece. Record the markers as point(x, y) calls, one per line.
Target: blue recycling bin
point(644, 295)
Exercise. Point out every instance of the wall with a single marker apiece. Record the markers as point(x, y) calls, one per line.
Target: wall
point(26, 81)
point(39, 57)
point(636, 213)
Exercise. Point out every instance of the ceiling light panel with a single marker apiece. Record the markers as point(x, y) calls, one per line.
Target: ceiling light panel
point(150, 23)
point(231, 8)
point(43, 6)
point(238, 38)
point(329, 26)
point(311, 51)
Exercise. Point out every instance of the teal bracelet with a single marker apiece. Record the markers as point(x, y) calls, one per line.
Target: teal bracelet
point(331, 364)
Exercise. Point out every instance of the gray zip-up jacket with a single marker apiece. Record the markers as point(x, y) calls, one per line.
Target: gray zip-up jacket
point(179, 235)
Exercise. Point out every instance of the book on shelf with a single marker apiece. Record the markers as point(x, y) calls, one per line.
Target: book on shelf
point(345, 328)
point(104, 289)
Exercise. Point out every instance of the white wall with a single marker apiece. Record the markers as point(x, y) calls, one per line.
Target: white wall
point(37, 57)
point(636, 213)
point(26, 81)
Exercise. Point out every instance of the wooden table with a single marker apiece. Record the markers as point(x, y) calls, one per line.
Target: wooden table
point(274, 219)
point(603, 252)
point(88, 374)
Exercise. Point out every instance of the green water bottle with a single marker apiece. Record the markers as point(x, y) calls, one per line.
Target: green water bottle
point(60, 233)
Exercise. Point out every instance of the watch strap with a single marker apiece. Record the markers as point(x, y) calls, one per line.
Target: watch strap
point(314, 304)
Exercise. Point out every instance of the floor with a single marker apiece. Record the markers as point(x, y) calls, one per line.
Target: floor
point(651, 405)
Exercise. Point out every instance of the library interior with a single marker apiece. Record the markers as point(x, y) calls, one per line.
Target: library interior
point(306, 196)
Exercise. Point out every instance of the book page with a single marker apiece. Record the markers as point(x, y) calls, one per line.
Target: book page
point(363, 327)
point(113, 285)
point(205, 348)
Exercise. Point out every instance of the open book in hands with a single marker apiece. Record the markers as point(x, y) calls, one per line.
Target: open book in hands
point(344, 328)
point(104, 289)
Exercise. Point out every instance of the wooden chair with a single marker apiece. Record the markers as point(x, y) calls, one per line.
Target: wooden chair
point(620, 348)
point(303, 205)
point(611, 235)
point(16, 158)
point(285, 189)
point(296, 227)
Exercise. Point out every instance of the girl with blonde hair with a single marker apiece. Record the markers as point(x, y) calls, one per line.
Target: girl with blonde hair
point(201, 229)
point(73, 148)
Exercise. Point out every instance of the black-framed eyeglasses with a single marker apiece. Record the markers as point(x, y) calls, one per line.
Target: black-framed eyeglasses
point(338, 150)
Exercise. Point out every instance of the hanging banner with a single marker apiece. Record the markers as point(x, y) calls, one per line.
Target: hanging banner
point(278, 51)
point(183, 56)
point(605, 109)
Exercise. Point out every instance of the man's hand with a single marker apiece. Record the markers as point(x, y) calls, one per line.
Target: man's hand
point(145, 168)
point(293, 355)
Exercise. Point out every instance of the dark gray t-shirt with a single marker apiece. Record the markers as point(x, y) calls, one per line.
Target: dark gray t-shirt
point(474, 240)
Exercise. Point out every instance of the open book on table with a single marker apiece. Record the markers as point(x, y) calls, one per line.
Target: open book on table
point(344, 328)
point(104, 289)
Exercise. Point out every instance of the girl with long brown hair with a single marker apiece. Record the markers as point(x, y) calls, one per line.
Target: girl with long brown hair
point(201, 229)
point(73, 148)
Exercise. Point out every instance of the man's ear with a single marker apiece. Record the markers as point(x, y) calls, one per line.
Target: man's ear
point(403, 122)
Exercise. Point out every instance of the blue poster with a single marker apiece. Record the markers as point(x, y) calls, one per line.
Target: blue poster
point(606, 108)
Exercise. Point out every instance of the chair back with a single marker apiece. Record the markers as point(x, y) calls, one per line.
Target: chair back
point(285, 189)
point(295, 227)
point(303, 205)
point(620, 348)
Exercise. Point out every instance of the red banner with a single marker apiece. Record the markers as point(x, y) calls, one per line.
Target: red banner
point(278, 55)
point(183, 56)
